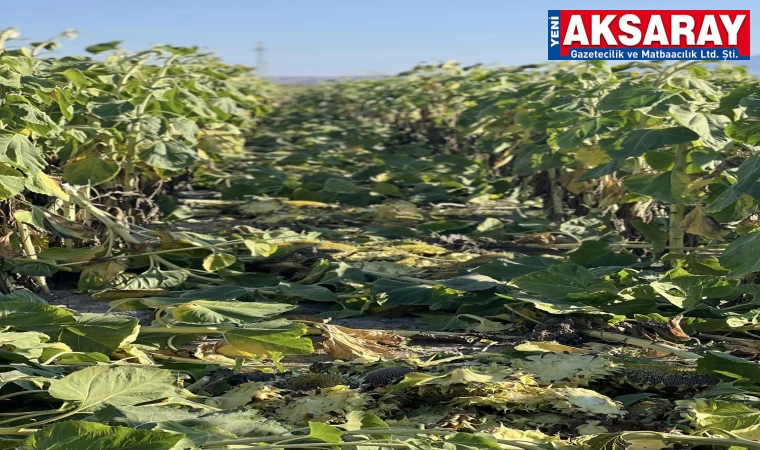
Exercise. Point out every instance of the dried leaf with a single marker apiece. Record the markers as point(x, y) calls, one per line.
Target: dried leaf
point(364, 345)
point(700, 224)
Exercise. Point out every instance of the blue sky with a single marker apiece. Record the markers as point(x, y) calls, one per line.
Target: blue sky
point(325, 37)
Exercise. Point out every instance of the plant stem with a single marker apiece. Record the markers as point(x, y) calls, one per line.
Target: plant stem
point(556, 193)
point(677, 210)
point(176, 267)
point(28, 246)
point(70, 212)
point(112, 226)
point(705, 440)
point(274, 440)
point(643, 343)
point(14, 394)
point(28, 416)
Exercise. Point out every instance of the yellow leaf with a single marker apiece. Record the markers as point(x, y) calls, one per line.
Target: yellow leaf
point(548, 346)
point(48, 186)
point(260, 249)
point(217, 261)
point(308, 204)
point(591, 156)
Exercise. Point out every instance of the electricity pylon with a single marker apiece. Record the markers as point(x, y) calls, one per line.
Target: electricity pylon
point(262, 67)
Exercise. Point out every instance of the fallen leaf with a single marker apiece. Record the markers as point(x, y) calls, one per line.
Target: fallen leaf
point(364, 345)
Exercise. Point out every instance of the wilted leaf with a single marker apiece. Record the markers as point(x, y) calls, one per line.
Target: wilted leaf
point(362, 345)
point(264, 338)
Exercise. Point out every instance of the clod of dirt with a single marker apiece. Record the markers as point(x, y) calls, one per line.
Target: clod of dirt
point(560, 330)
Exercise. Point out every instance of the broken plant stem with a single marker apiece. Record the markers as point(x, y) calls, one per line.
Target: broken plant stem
point(640, 245)
point(166, 263)
point(643, 343)
point(556, 192)
point(70, 213)
point(399, 277)
point(121, 230)
point(164, 357)
point(700, 440)
point(26, 243)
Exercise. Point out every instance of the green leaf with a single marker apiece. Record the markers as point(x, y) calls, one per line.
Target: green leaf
point(224, 292)
point(324, 432)
point(35, 119)
point(468, 441)
point(111, 110)
point(720, 414)
point(357, 420)
point(78, 435)
point(77, 78)
point(93, 171)
point(11, 181)
point(606, 441)
point(211, 312)
point(659, 187)
point(470, 283)
point(748, 175)
point(228, 107)
point(155, 278)
point(506, 269)
point(10, 79)
point(637, 142)
point(17, 150)
point(340, 186)
point(26, 315)
point(740, 258)
point(187, 128)
point(309, 292)
point(102, 333)
point(136, 416)
point(598, 254)
point(577, 134)
point(750, 103)
point(746, 131)
point(103, 47)
point(169, 155)
point(722, 364)
point(627, 97)
point(601, 170)
point(709, 127)
point(562, 281)
point(655, 235)
point(99, 386)
point(249, 279)
point(265, 338)
point(392, 293)
point(533, 158)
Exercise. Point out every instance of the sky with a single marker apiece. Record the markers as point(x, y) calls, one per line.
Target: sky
point(325, 37)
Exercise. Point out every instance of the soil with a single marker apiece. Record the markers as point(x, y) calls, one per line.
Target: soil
point(83, 303)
